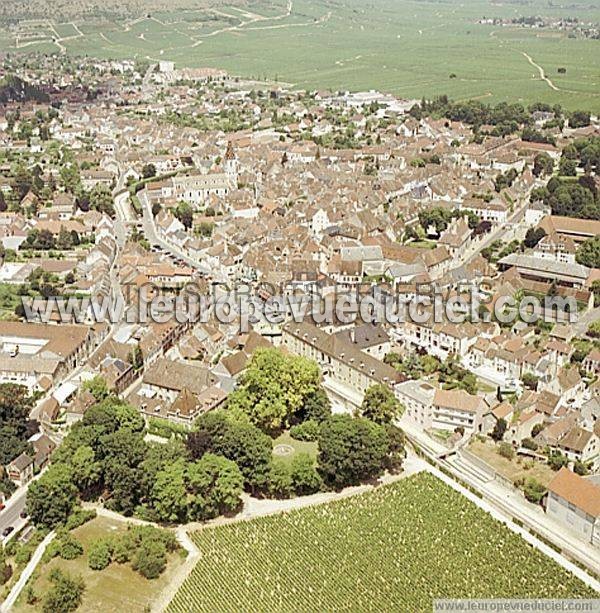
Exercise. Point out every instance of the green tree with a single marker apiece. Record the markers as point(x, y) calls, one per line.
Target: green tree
point(185, 214)
point(243, 443)
point(97, 386)
point(533, 236)
point(150, 560)
point(169, 493)
point(499, 429)
point(65, 594)
point(380, 405)
point(557, 460)
point(52, 498)
point(304, 475)
point(215, 484)
point(588, 253)
point(86, 472)
point(506, 450)
point(274, 388)
point(280, 479)
point(351, 450)
point(543, 164)
point(534, 491)
point(148, 171)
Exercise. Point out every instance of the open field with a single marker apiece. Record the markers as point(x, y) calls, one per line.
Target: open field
point(396, 548)
point(402, 46)
point(511, 469)
point(116, 588)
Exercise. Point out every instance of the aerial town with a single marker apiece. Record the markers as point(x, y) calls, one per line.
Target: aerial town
point(131, 187)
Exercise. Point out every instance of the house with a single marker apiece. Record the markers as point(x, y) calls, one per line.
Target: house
point(557, 247)
point(574, 502)
point(454, 409)
point(580, 445)
point(521, 427)
point(30, 351)
point(177, 391)
point(20, 470)
point(417, 398)
point(545, 269)
point(591, 363)
point(43, 447)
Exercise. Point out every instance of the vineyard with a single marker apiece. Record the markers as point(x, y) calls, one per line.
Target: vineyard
point(398, 547)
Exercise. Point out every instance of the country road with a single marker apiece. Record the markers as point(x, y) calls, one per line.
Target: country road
point(541, 71)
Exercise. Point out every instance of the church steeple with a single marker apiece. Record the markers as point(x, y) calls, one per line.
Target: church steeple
point(231, 164)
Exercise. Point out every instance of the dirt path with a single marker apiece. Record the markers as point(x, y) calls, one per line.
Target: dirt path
point(255, 19)
point(541, 71)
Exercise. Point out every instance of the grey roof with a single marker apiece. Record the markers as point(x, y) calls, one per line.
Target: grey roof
point(545, 265)
point(362, 253)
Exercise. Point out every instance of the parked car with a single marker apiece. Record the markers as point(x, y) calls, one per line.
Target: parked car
point(7, 531)
point(2, 506)
point(23, 515)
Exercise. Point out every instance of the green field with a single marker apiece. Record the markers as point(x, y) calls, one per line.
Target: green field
point(396, 548)
point(402, 46)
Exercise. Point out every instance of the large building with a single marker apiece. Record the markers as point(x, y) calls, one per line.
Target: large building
point(38, 355)
point(454, 409)
point(575, 502)
point(348, 371)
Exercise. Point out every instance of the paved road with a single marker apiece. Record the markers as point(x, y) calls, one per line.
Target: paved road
point(10, 516)
point(150, 233)
point(26, 574)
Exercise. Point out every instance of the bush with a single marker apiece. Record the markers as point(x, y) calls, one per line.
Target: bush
point(79, 517)
point(121, 552)
point(23, 555)
point(529, 443)
point(307, 431)
point(304, 475)
point(280, 480)
point(65, 594)
point(506, 451)
point(534, 491)
point(150, 560)
point(100, 554)
point(70, 547)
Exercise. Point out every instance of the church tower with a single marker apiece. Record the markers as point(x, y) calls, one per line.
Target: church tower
point(231, 165)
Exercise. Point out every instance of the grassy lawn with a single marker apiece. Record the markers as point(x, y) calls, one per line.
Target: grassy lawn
point(423, 244)
point(511, 469)
point(116, 588)
point(393, 549)
point(298, 447)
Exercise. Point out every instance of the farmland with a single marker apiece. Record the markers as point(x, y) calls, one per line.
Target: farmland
point(398, 547)
point(406, 47)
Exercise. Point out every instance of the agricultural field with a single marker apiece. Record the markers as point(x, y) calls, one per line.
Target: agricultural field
point(396, 548)
point(406, 47)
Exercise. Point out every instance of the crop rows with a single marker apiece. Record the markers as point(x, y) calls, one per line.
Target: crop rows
point(397, 548)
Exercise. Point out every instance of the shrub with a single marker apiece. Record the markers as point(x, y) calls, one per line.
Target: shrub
point(506, 451)
point(280, 480)
point(534, 491)
point(304, 475)
point(150, 559)
point(79, 517)
point(306, 431)
point(70, 547)
point(100, 554)
point(121, 552)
